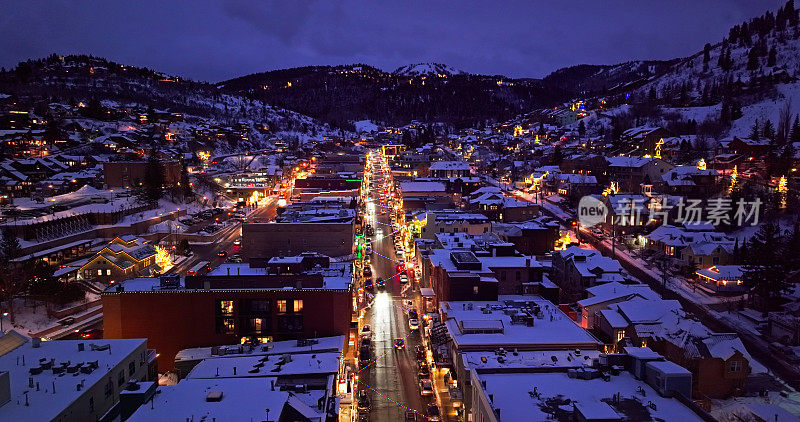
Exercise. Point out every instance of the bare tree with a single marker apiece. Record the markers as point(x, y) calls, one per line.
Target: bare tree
point(242, 162)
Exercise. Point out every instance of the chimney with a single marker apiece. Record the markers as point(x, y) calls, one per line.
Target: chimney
point(234, 370)
point(527, 262)
point(81, 347)
point(36, 342)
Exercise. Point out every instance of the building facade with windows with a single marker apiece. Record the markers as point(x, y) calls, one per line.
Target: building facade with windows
point(231, 304)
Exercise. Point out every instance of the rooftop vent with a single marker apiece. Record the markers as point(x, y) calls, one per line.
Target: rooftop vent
point(214, 396)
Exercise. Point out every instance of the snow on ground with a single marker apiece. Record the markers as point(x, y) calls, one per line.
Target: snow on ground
point(30, 316)
point(365, 126)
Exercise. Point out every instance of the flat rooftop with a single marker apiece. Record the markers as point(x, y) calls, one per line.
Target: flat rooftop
point(242, 399)
point(44, 405)
point(557, 393)
point(551, 328)
point(529, 359)
point(321, 344)
point(267, 366)
point(338, 276)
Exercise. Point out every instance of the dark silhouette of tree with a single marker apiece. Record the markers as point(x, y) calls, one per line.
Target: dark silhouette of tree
point(12, 280)
point(768, 131)
point(768, 263)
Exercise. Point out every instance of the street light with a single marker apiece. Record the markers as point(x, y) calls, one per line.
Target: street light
point(5, 314)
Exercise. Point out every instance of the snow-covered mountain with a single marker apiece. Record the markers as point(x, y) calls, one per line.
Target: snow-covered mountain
point(420, 69)
point(752, 74)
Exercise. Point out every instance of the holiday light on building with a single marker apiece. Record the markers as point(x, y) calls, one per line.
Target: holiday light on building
point(612, 189)
point(163, 258)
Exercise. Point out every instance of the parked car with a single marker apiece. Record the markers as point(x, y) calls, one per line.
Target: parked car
point(399, 344)
point(423, 371)
point(413, 324)
point(411, 416)
point(364, 353)
point(363, 401)
point(381, 284)
point(366, 331)
point(425, 387)
point(222, 254)
point(433, 413)
point(237, 241)
point(403, 278)
point(420, 352)
point(368, 285)
point(368, 271)
point(412, 313)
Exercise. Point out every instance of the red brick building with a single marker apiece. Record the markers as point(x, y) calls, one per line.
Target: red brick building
point(218, 309)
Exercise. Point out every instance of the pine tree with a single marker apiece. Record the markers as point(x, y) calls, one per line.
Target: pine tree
point(768, 131)
point(766, 270)
point(153, 179)
point(773, 57)
point(581, 128)
point(795, 132)
point(706, 53)
point(752, 59)
point(754, 131)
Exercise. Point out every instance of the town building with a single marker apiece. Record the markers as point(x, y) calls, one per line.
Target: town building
point(298, 229)
point(231, 304)
point(576, 269)
point(450, 169)
point(124, 257)
point(68, 380)
point(631, 172)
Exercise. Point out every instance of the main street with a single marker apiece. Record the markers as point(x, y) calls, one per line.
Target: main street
point(390, 375)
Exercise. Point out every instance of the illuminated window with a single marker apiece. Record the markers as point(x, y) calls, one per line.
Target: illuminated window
point(620, 335)
point(282, 306)
point(108, 272)
point(298, 305)
point(226, 307)
point(228, 326)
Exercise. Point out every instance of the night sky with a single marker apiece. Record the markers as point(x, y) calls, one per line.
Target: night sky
point(217, 40)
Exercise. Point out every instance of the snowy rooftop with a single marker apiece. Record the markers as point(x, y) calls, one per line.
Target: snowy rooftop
point(422, 186)
point(536, 396)
point(338, 276)
point(241, 399)
point(551, 327)
point(321, 344)
point(627, 161)
point(529, 359)
point(449, 165)
point(44, 404)
point(611, 291)
point(266, 366)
